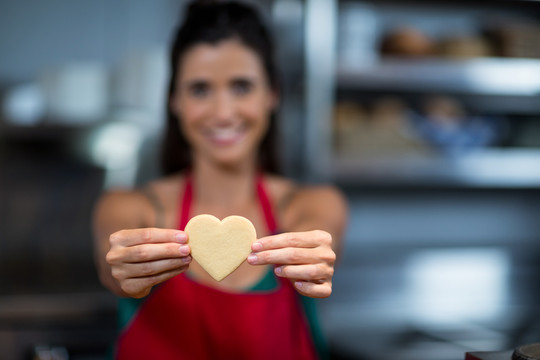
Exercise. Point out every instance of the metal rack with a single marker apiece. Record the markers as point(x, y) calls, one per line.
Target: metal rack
point(501, 85)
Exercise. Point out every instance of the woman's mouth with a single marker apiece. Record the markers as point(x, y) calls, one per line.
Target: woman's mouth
point(226, 136)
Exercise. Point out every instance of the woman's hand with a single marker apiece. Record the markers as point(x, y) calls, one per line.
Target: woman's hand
point(306, 258)
point(142, 258)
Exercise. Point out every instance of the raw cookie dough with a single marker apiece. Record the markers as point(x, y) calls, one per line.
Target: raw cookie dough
point(220, 247)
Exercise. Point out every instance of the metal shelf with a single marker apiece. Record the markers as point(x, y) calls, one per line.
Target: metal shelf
point(500, 168)
point(492, 85)
point(479, 76)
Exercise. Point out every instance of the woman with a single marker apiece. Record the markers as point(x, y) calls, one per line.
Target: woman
point(219, 159)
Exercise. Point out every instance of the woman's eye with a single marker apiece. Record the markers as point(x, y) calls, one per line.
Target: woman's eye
point(199, 89)
point(242, 87)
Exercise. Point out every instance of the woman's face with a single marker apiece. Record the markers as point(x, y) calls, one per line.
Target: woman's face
point(224, 101)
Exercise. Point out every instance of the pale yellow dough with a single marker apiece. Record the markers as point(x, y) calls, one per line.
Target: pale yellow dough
point(220, 247)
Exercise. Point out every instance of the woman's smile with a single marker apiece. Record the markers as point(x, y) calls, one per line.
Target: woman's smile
point(225, 135)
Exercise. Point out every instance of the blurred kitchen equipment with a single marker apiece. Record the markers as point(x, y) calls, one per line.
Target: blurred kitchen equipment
point(523, 352)
point(527, 352)
point(24, 104)
point(358, 30)
point(76, 93)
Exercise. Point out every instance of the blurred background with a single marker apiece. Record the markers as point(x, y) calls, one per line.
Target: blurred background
point(425, 113)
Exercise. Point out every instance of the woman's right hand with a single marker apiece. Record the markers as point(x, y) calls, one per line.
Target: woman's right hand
point(142, 258)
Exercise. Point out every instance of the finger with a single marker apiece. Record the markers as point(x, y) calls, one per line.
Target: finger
point(314, 290)
point(151, 268)
point(132, 237)
point(285, 256)
point(148, 252)
point(308, 239)
point(140, 287)
point(313, 272)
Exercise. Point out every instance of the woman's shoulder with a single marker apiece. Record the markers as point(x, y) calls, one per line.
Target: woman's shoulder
point(127, 207)
point(313, 197)
point(294, 198)
point(282, 186)
point(279, 187)
point(120, 197)
point(137, 205)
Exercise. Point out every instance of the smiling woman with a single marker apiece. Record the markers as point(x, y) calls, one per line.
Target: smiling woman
point(220, 159)
point(224, 98)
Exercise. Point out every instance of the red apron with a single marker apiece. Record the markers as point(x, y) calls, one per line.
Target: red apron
point(183, 319)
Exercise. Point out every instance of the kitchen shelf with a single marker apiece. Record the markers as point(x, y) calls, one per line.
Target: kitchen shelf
point(498, 88)
point(500, 168)
point(480, 76)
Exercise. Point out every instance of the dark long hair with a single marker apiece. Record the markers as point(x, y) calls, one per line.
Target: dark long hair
point(212, 22)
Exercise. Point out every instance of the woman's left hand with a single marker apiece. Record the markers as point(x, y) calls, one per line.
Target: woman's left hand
point(306, 258)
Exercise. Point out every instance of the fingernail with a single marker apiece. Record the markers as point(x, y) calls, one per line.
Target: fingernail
point(278, 270)
point(252, 258)
point(184, 250)
point(186, 259)
point(299, 284)
point(257, 246)
point(181, 237)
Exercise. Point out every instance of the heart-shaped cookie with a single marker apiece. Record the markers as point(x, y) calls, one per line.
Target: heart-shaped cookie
point(220, 247)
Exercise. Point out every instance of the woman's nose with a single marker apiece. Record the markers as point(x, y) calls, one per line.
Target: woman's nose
point(224, 107)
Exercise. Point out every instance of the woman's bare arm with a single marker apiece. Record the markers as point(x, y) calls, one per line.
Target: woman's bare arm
point(131, 258)
point(323, 208)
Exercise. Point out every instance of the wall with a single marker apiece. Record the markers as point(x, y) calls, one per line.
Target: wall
point(38, 34)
